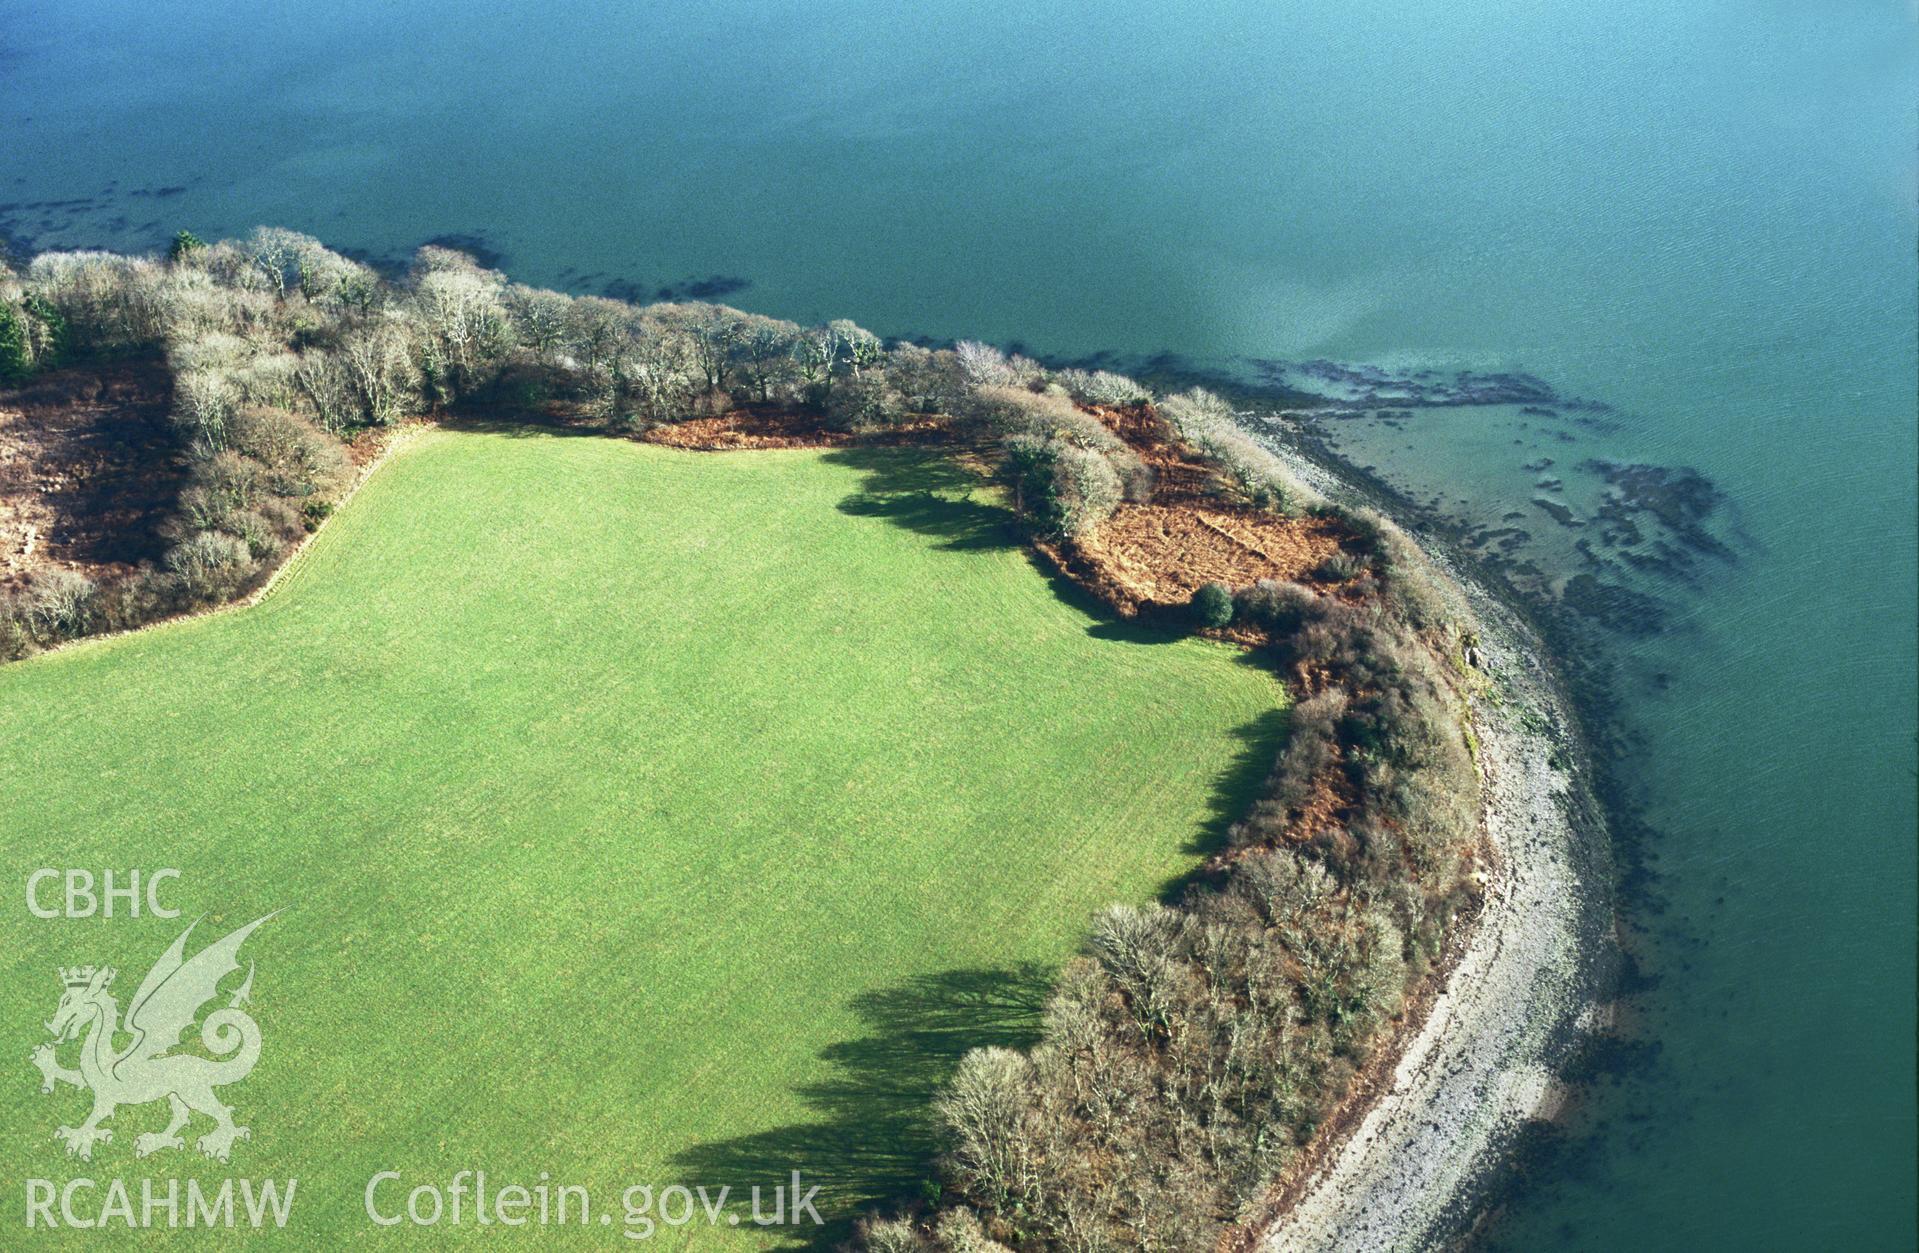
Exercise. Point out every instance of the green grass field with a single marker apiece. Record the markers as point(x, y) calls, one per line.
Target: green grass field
point(639, 817)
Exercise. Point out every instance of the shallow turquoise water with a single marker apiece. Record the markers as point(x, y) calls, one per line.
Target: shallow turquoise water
point(1702, 213)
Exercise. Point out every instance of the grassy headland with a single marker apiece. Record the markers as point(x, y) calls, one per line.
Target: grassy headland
point(690, 836)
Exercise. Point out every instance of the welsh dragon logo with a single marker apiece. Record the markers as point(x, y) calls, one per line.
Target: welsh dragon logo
point(169, 1000)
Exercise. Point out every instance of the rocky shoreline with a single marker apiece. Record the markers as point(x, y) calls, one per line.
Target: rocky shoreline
point(1416, 1170)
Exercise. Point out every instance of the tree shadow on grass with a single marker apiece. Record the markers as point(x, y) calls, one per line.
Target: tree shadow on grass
point(1257, 744)
point(928, 494)
point(873, 1139)
point(1130, 630)
point(518, 424)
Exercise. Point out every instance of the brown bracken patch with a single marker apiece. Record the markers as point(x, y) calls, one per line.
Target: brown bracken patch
point(1159, 555)
point(747, 429)
point(87, 471)
point(1326, 807)
point(767, 426)
point(1177, 473)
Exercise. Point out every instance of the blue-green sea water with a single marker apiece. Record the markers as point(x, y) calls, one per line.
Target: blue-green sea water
point(1701, 212)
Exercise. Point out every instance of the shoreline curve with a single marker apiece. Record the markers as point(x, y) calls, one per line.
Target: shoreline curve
point(1416, 1168)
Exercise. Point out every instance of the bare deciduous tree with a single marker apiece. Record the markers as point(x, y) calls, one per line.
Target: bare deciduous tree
point(660, 372)
point(596, 331)
point(465, 322)
point(984, 1109)
point(325, 381)
point(764, 354)
point(62, 600)
point(203, 400)
point(713, 333)
point(379, 369)
point(540, 318)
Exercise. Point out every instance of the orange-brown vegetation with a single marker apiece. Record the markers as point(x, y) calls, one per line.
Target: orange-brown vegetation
point(776, 426)
point(1154, 555)
point(1160, 554)
point(744, 429)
